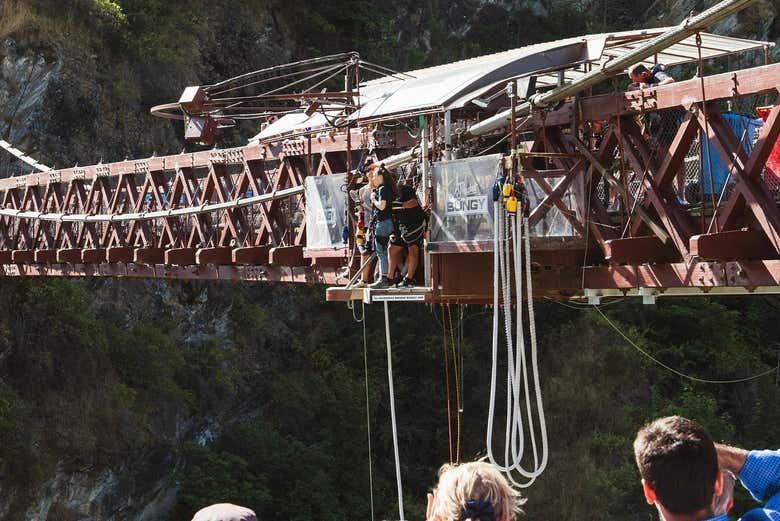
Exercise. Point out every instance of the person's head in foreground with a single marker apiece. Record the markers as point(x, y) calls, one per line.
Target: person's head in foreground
point(473, 491)
point(224, 512)
point(679, 468)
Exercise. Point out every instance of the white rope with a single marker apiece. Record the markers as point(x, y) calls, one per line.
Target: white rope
point(23, 157)
point(392, 414)
point(534, 356)
point(368, 412)
point(492, 403)
point(505, 254)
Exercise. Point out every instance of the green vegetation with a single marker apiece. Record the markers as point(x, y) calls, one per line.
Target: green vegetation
point(275, 403)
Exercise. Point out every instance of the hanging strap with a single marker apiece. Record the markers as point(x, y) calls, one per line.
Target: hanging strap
point(392, 414)
point(368, 414)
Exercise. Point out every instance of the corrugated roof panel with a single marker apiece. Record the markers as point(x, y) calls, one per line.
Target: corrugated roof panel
point(442, 86)
point(452, 85)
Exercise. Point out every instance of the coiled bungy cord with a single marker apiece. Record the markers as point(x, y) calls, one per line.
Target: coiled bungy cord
point(515, 229)
point(392, 414)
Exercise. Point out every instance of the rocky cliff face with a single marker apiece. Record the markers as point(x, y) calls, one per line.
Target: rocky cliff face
point(24, 79)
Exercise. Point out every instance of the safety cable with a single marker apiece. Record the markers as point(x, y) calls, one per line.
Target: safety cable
point(447, 379)
point(461, 367)
point(672, 369)
point(392, 413)
point(588, 220)
point(583, 306)
point(368, 412)
point(457, 385)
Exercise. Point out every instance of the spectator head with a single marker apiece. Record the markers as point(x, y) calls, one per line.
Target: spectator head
point(224, 512)
point(473, 491)
point(679, 467)
point(638, 73)
point(722, 504)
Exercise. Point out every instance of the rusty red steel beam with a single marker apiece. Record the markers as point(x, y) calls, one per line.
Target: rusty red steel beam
point(305, 274)
point(321, 143)
point(758, 199)
point(564, 281)
point(731, 246)
point(754, 166)
point(466, 276)
point(745, 82)
point(673, 217)
point(633, 250)
point(703, 274)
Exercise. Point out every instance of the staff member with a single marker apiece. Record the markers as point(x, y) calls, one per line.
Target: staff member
point(653, 77)
point(382, 220)
point(410, 221)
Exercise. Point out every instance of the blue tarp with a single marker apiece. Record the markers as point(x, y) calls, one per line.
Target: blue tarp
point(738, 123)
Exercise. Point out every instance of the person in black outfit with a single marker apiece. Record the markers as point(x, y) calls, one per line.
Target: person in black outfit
point(410, 224)
point(382, 221)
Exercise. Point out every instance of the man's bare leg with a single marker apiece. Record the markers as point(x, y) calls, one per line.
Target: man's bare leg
point(396, 258)
point(368, 271)
point(413, 261)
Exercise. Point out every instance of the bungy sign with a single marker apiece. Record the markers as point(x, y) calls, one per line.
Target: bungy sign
point(463, 206)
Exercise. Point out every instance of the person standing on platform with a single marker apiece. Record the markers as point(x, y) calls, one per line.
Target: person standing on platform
point(382, 220)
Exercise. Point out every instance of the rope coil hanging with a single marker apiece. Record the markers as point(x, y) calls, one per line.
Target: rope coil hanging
point(512, 246)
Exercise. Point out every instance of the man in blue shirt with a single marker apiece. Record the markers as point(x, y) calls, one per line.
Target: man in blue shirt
point(759, 472)
point(680, 469)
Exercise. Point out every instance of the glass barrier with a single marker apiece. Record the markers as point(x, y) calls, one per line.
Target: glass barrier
point(463, 207)
point(325, 204)
point(463, 203)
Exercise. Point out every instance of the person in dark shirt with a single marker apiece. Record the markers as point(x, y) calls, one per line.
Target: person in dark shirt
point(653, 77)
point(410, 224)
point(382, 219)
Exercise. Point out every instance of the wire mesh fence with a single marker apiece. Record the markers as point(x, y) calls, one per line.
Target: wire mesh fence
point(706, 180)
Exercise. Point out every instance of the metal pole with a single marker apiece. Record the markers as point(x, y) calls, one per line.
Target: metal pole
point(511, 88)
point(426, 180)
point(448, 135)
point(397, 160)
point(687, 28)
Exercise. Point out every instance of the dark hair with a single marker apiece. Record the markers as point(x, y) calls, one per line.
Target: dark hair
point(637, 68)
point(389, 180)
point(677, 458)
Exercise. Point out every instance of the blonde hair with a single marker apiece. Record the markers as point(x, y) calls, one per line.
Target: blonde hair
point(477, 480)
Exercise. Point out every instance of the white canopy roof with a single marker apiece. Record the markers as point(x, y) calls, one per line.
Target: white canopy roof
point(453, 85)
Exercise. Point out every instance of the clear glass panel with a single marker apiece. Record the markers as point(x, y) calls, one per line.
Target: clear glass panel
point(325, 204)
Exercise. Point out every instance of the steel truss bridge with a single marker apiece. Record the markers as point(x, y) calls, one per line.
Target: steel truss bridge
point(241, 213)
